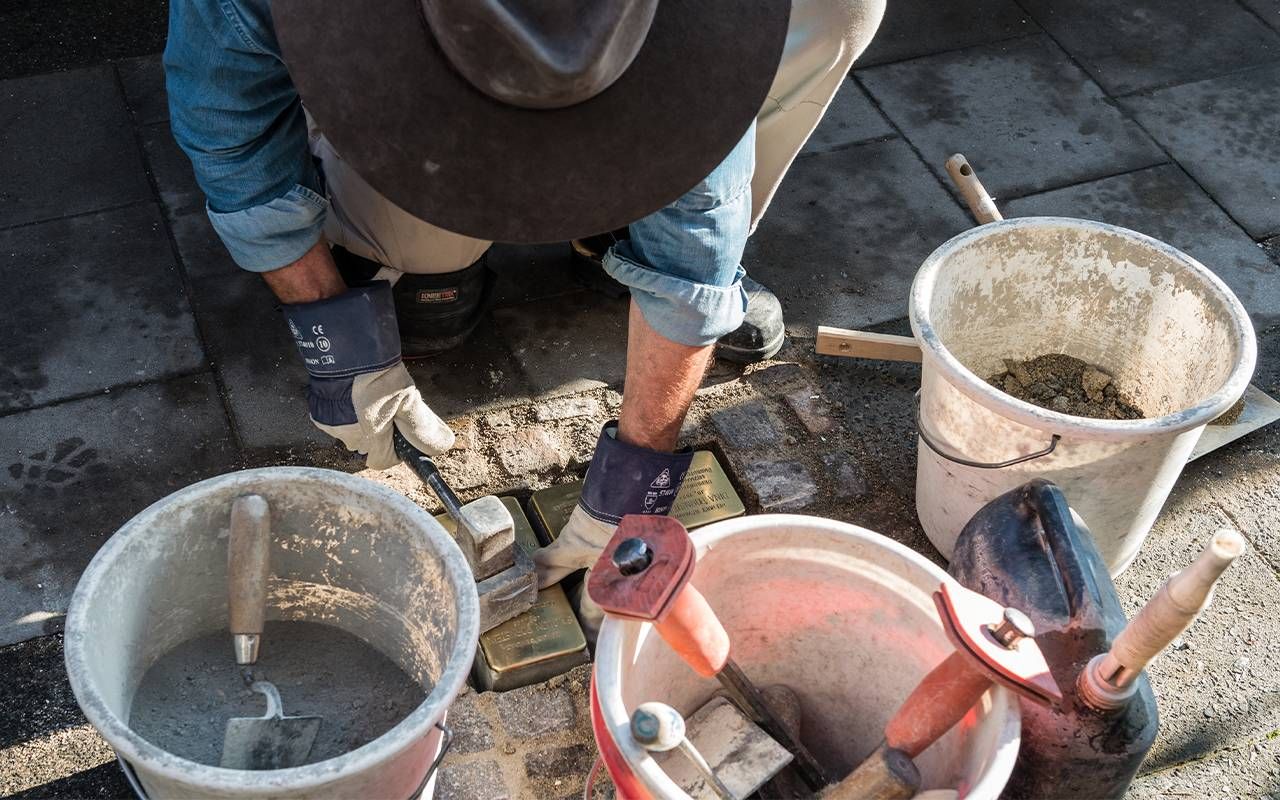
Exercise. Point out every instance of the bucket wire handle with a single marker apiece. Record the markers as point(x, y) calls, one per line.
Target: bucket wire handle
point(131, 777)
point(935, 447)
point(446, 741)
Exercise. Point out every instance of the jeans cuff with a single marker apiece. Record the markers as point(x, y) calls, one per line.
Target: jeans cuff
point(274, 234)
point(684, 311)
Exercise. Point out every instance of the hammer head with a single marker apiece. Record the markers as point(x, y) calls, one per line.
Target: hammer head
point(488, 525)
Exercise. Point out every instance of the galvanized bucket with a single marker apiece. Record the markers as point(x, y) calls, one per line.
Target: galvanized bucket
point(345, 552)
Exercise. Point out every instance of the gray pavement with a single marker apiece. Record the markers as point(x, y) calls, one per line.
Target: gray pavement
point(136, 359)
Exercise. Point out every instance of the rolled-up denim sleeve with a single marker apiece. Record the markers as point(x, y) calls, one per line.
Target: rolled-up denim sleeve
point(236, 114)
point(683, 262)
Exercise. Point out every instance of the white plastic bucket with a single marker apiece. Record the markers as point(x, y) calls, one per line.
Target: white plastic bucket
point(839, 614)
point(345, 552)
point(1167, 329)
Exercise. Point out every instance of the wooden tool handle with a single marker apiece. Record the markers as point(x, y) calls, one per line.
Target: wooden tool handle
point(886, 774)
point(692, 629)
point(940, 701)
point(248, 563)
point(864, 344)
point(1177, 604)
point(981, 205)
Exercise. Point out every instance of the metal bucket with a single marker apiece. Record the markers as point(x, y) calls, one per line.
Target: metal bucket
point(1171, 334)
point(345, 552)
point(842, 616)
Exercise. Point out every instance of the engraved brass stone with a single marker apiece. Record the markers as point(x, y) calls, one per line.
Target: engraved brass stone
point(706, 496)
point(541, 643)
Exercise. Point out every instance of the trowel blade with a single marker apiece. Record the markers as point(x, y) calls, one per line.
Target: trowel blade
point(268, 742)
point(272, 741)
point(1260, 410)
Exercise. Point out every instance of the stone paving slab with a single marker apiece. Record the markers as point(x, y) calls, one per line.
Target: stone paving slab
point(575, 343)
point(1223, 132)
point(479, 375)
point(1220, 685)
point(1025, 116)
point(526, 273)
point(1267, 10)
point(74, 472)
point(914, 28)
point(1164, 203)
point(143, 82)
point(1248, 771)
point(851, 118)
point(846, 233)
point(111, 309)
point(1130, 47)
point(66, 147)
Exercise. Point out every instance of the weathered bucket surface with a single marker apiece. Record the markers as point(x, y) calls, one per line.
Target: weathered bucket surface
point(842, 616)
point(345, 552)
point(1171, 333)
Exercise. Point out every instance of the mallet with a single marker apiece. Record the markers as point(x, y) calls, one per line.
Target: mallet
point(657, 727)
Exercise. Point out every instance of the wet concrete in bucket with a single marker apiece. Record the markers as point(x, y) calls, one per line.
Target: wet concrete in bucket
point(1067, 385)
point(186, 698)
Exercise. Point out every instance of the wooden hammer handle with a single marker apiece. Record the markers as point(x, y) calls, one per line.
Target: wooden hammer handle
point(940, 701)
point(248, 563)
point(692, 629)
point(981, 205)
point(1177, 604)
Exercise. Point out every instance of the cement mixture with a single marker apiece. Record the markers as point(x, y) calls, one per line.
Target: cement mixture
point(1067, 385)
point(186, 698)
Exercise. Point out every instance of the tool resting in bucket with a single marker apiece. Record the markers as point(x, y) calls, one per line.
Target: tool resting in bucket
point(272, 741)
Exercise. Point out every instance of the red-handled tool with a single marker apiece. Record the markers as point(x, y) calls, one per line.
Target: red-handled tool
point(643, 574)
point(993, 644)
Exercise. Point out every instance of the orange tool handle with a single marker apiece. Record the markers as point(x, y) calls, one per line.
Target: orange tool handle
point(692, 629)
point(940, 701)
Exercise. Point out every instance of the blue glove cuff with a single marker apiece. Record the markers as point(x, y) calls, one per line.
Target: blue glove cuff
point(625, 479)
point(351, 334)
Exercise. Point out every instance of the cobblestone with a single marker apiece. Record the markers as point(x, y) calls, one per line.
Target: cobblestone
point(536, 711)
point(532, 449)
point(809, 406)
point(748, 425)
point(780, 486)
point(559, 408)
point(471, 730)
point(472, 781)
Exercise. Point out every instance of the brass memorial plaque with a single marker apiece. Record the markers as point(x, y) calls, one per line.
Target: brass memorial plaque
point(706, 496)
point(541, 643)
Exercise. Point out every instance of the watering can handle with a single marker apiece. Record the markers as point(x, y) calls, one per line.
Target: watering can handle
point(964, 462)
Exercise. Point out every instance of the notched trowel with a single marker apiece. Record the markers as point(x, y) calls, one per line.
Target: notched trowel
point(272, 741)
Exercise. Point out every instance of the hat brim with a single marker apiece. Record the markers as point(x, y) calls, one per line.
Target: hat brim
point(382, 92)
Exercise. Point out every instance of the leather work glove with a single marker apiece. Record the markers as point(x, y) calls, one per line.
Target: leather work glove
point(622, 479)
point(359, 387)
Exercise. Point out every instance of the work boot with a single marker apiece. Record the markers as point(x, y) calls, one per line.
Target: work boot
point(436, 312)
point(760, 335)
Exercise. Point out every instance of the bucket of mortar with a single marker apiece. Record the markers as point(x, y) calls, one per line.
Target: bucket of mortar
point(1172, 335)
point(839, 614)
point(345, 552)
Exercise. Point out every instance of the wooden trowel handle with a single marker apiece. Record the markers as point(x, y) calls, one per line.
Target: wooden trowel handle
point(940, 701)
point(248, 565)
point(981, 205)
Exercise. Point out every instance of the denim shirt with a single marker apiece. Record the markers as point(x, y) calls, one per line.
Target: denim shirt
point(235, 112)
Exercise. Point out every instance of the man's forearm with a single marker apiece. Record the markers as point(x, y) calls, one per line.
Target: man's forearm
point(312, 277)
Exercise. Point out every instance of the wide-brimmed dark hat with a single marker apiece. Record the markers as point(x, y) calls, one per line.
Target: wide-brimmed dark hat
point(532, 120)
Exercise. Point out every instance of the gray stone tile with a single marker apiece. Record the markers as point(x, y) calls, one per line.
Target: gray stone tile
point(1164, 203)
point(143, 81)
point(1268, 10)
point(914, 28)
point(74, 472)
point(575, 343)
point(479, 375)
point(1223, 131)
point(846, 233)
point(66, 147)
point(102, 305)
point(1134, 46)
point(1252, 771)
point(1209, 698)
point(1026, 117)
point(851, 118)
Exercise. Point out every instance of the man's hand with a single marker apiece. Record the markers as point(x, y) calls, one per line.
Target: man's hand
point(350, 345)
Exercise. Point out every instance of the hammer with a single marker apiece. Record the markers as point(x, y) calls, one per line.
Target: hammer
point(643, 574)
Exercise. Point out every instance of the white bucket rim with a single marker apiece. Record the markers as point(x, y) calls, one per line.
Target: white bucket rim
point(417, 725)
point(1034, 416)
point(613, 632)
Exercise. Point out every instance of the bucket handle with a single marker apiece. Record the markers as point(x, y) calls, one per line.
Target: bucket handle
point(935, 447)
point(446, 741)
